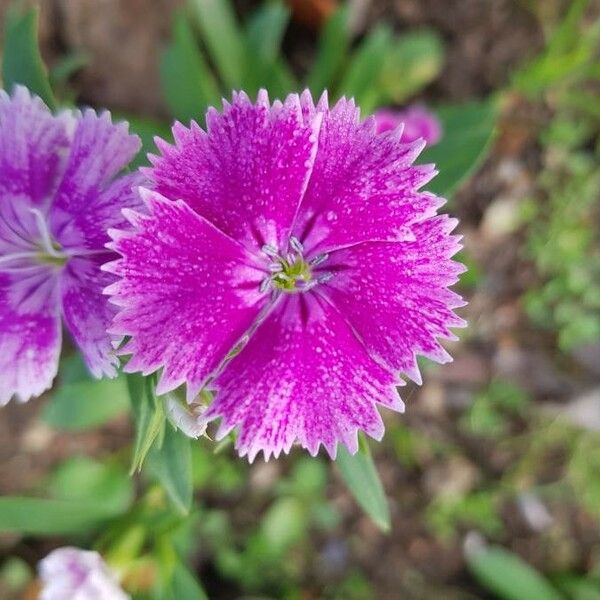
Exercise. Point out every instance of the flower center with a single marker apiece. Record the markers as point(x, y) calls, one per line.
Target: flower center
point(49, 251)
point(292, 273)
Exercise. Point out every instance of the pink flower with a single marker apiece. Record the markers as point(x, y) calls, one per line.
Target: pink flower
point(417, 120)
point(59, 192)
point(74, 574)
point(289, 262)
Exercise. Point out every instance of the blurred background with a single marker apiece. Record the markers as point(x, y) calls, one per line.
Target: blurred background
point(493, 474)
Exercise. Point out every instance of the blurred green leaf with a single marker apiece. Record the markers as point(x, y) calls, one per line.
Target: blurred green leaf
point(467, 132)
point(84, 479)
point(85, 404)
point(415, 60)
point(365, 68)
point(284, 524)
point(578, 588)
point(149, 416)
point(172, 466)
point(223, 39)
point(147, 129)
point(187, 82)
point(360, 475)
point(68, 66)
point(334, 42)
point(264, 32)
point(508, 576)
point(184, 585)
point(38, 516)
point(21, 59)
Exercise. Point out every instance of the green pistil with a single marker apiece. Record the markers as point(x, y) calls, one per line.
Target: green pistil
point(57, 260)
point(293, 276)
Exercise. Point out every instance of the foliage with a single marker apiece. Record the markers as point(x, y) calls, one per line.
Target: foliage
point(564, 240)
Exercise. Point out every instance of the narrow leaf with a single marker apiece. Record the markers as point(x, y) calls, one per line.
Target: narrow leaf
point(37, 516)
point(360, 475)
point(21, 59)
point(333, 47)
point(223, 38)
point(508, 576)
point(413, 61)
point(148, 414)
point(467, 132)
point(187, 82)
point(172, 465)
point(364, 71)
point(185, 585)
point(264, 34)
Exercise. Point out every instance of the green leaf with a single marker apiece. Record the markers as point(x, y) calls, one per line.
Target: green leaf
point(364, 71)
point(85, 404)
point(68, 66)
point(264, 33)
point(334, 42)
point(184, 585)
point(187, 82)
point(84, 479)
point(467, 132)
point(149, 417)
point(508, 576)
point(223, 39)
point(172, 466)
point(22, 62)
point(147, 129)
point(38, 516)
point(578, 588)
point(414, 61)
point(360, 475)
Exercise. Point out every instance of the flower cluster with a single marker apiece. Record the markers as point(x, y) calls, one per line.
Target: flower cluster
point(58, 196)
point(288, 261)
point(286, 258)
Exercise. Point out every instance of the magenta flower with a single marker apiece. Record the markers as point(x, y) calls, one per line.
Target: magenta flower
point(57, 198)
point(418, 122)
point(289, 263)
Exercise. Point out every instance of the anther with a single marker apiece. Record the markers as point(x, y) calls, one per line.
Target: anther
point(317, 260)
point(296, 244)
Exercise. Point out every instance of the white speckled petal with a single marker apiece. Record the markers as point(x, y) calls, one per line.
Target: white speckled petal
point(88, 313)
point(32, 142)
point(304, 377)
point(364, 186)
point(88, 201)
point(187, 294)
point(248, 173)
point(30, 332)
point(396, 296)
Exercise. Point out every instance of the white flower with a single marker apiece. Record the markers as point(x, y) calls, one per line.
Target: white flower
point(74, 574)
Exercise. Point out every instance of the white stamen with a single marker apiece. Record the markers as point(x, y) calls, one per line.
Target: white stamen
point(317, 260)
point(45, 234)
point(270, 250)
point(296, 245)
point(264, 285)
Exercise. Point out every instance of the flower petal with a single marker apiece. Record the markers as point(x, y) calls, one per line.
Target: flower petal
point(87, 312)
point(248, 173)
point(188, 293)
point(304, 376)
point(86, 203)
point(363, 186)
point(395, 295)
point(30, 332)
point(31, 141)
